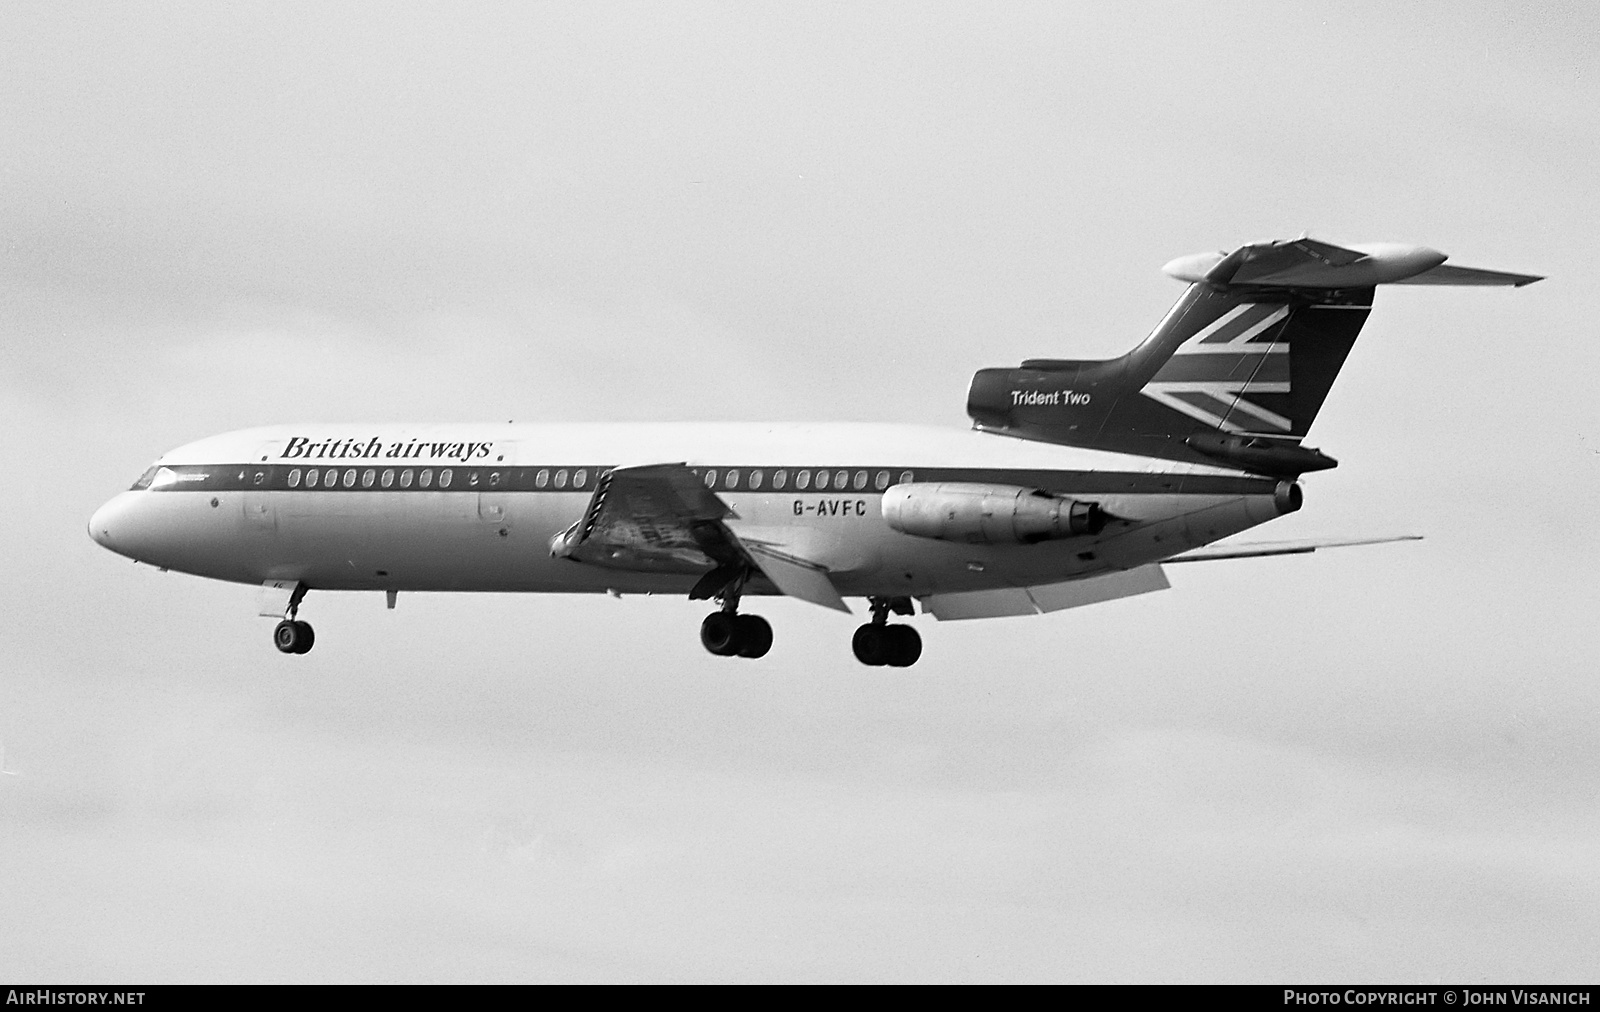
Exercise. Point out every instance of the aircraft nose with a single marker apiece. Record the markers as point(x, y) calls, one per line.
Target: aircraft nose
point(108, 521)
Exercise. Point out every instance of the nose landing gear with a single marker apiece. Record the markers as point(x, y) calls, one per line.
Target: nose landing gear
point(293, 637)
point(878, 644)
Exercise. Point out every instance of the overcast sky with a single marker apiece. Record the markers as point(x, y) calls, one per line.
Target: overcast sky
point(1376, 764)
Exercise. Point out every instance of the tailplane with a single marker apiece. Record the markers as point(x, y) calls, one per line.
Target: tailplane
point(1237, 370)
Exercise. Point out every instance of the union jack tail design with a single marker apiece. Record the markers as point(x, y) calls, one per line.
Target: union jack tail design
point(1237, 370)
point(1222, 374)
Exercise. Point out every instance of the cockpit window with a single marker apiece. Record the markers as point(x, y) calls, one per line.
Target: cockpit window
point(146, 478)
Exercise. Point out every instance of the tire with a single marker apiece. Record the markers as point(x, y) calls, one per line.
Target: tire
point(291, 637)
point(307, 638)
point(906, 646)
point(754, 635)
point(719, 634)
point(872, 645)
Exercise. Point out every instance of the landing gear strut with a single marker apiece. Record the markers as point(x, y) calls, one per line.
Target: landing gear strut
point(726, 633)
point(878, 644)
point(291, 636)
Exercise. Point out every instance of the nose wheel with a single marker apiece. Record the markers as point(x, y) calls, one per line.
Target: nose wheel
point(292, 636)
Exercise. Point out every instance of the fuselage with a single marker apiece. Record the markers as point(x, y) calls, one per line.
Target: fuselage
point(475, 507)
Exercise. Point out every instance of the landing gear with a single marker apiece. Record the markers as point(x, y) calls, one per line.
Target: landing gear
point(878, 644)
point(283, 597)
point(727, 634)
point(293, 637)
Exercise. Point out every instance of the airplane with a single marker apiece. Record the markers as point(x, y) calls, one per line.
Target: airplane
point(1077, 482)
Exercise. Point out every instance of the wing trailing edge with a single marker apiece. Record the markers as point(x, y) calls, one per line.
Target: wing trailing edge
point(1260, 549)
point(1044, 598)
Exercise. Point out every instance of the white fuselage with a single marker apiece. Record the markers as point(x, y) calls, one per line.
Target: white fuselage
point(474, 507)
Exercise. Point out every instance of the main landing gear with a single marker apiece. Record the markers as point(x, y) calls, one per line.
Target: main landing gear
point(878, 644)
point(728, 634)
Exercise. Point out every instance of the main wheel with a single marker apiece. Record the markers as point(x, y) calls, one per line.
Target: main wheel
point(872, 645)
point(906, 646)
point(719, 633)
point(292, 637)
point(754, 635)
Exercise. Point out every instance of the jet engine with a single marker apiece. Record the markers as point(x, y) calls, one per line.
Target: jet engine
point(988, 514)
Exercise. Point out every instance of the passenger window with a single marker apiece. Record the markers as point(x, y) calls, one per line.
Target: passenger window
point(405, 478)
point(755, 479)
point(368, 477)
point(294, 478)
point(561, 478)
point(261, 476)
point(906, 477)
point(861, 480)
point(881, 480)
point(711, 479)
point(542, 479)
point(840, 478)
point(472, 478)
point(311, 478)
point(425, 478)
point(494, 478)
point(350, 478)
point(780, 478)
point(802, 480)
point(579, 478)
point(388, 477)
point(822, 479)
point(444, 478)
point(732, 480)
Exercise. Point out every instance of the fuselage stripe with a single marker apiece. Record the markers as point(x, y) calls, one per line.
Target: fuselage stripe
point(585, 478)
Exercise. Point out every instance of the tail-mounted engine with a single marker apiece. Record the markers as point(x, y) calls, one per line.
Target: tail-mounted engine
point(988, 514)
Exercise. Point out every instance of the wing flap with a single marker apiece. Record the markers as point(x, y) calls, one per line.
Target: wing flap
point(1043, 598)
point(797, 577)
point(660, 518)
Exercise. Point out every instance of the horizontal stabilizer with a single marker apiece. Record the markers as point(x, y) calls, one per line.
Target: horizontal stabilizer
point(1262, 548)
point(1310, 263)
point(1045, 597)
point(1449, 274)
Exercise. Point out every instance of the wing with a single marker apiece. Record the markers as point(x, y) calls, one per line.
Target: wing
point(1260, 548)
point(1045, 597)
point(660, 518)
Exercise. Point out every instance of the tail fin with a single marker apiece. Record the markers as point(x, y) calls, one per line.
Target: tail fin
point(1237, 370)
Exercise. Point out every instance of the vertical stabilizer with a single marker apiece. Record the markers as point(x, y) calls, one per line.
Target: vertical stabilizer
point(1237, 370)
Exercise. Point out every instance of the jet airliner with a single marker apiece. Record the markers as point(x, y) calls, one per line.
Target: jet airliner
point(1077, 481)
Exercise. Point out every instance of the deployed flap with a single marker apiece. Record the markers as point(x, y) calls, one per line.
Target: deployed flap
point(1045, 597)
point(1261, 548)
point(1077, 593)
point(658, 517)
point(796, 577)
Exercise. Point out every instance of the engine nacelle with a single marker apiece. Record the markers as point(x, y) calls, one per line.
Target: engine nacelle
point(988, 514)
